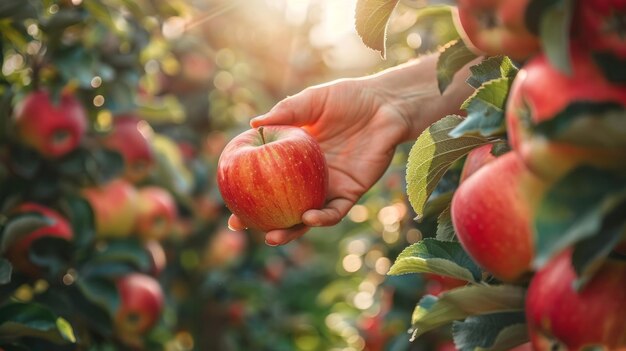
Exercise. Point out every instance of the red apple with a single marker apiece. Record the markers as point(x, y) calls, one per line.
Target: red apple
point(129, 138)
point(496, 27)
point(51, 128)
point(601, 26)
point(115, 206)
point(492, 213)
point(438, 284)
point(476, 159)
point(141, 303)
point(594, 315)
point(17, 251)
point(156, 213)
point(270, 176)
point(225, 247)
point(529, 104)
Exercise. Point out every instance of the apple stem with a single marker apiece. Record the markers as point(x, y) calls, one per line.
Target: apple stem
point(260, 129)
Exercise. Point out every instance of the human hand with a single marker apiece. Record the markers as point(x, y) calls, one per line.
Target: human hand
point(357, 131)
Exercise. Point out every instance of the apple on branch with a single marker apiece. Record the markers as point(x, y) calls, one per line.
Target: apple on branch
point(52, 128)
point(114, 206)
point(156, 213)
point(141, 304)
point(270, 176)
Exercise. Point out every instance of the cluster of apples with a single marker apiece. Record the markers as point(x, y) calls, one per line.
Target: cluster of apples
point(498, 197)
point(122, 207)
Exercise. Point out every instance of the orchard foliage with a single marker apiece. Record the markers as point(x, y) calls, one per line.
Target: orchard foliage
point(549, 96)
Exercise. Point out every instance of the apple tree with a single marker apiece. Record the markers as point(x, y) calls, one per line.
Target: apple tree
point(535, 230)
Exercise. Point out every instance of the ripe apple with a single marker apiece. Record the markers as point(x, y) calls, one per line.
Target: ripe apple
point(17, 251)
point(437, 284)
point(156, 213)
point(115, 206)
point(53, 129)
point(601, 26)
point(593, 315)
point(225, 247)
point(529, 104)
point(270, 176)
point(129, 137)
point(492, 213)
point(141, 303)
point(496, 27)
point(476, 159)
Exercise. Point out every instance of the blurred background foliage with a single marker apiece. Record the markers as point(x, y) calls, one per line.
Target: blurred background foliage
point(195, 72)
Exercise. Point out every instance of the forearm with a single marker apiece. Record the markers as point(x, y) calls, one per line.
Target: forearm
point(412, 89)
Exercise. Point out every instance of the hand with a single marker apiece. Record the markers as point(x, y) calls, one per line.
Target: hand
point(358, 124)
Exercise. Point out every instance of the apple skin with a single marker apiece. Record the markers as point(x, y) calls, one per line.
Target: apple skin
point(529, 104)
point(156, 213)
point(141, 303)
point(17, 252)
point(115, 206)
point(52, 129)
point(496, 27)
point(492, 214)
point(225, 247)
point(593, 315)
point(158, 257)
point(600, 26)
point(129, 137)
point(270, 184)
point(437, 284)
point(476, 159)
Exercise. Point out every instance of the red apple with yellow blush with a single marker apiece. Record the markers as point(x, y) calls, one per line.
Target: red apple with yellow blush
point(270, 176)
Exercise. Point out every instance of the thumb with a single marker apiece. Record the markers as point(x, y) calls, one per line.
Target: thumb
point(295, 110)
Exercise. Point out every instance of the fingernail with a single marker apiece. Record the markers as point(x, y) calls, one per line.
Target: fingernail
point(269, 242)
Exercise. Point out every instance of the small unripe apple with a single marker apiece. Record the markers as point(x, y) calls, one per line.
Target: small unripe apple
point(492, 213)
point(270, 176)
point(558, 314)
point(156, 213)
point(496, 27)
point(528, 105)
point(17, 251)
point(129, 137)
point(114, 206)
point(141, 303)
point(51, 128)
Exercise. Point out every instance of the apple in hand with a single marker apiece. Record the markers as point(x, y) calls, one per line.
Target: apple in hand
point(270, 176)
point(17, 251)
point(594, 315)
point(141, 303)
point(114, 206)
point(156, 213)
point(52, 128)
point(496, 27)
point(492, 213)
point(129, 138)
point(529, 104)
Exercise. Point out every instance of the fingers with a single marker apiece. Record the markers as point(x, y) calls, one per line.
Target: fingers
point(234, 223)
point(284, 236)
point(295, 110)
point(335, 210)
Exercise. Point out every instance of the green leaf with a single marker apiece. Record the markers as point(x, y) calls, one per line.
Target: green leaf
point(590, 253)
point(127, 251)
point(454, 56)
point(52, 253)
point(574, 209)
point(22, 225)
point(162, 110)
point(439, 257)
point(611, 66)
point(101, 292)
point(76, 63)
point(6, 269)
point(496, 331)
point(17, 9)
point(82, 219)
point(554, 29)
point(485, 110)
point(460, 303)
point(431, 156)
point(494, 67)
point(371, 18)
point(19, 320)
point(587, 124)
point(445, 227)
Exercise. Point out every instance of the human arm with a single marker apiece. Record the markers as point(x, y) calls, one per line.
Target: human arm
point(358, 123)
